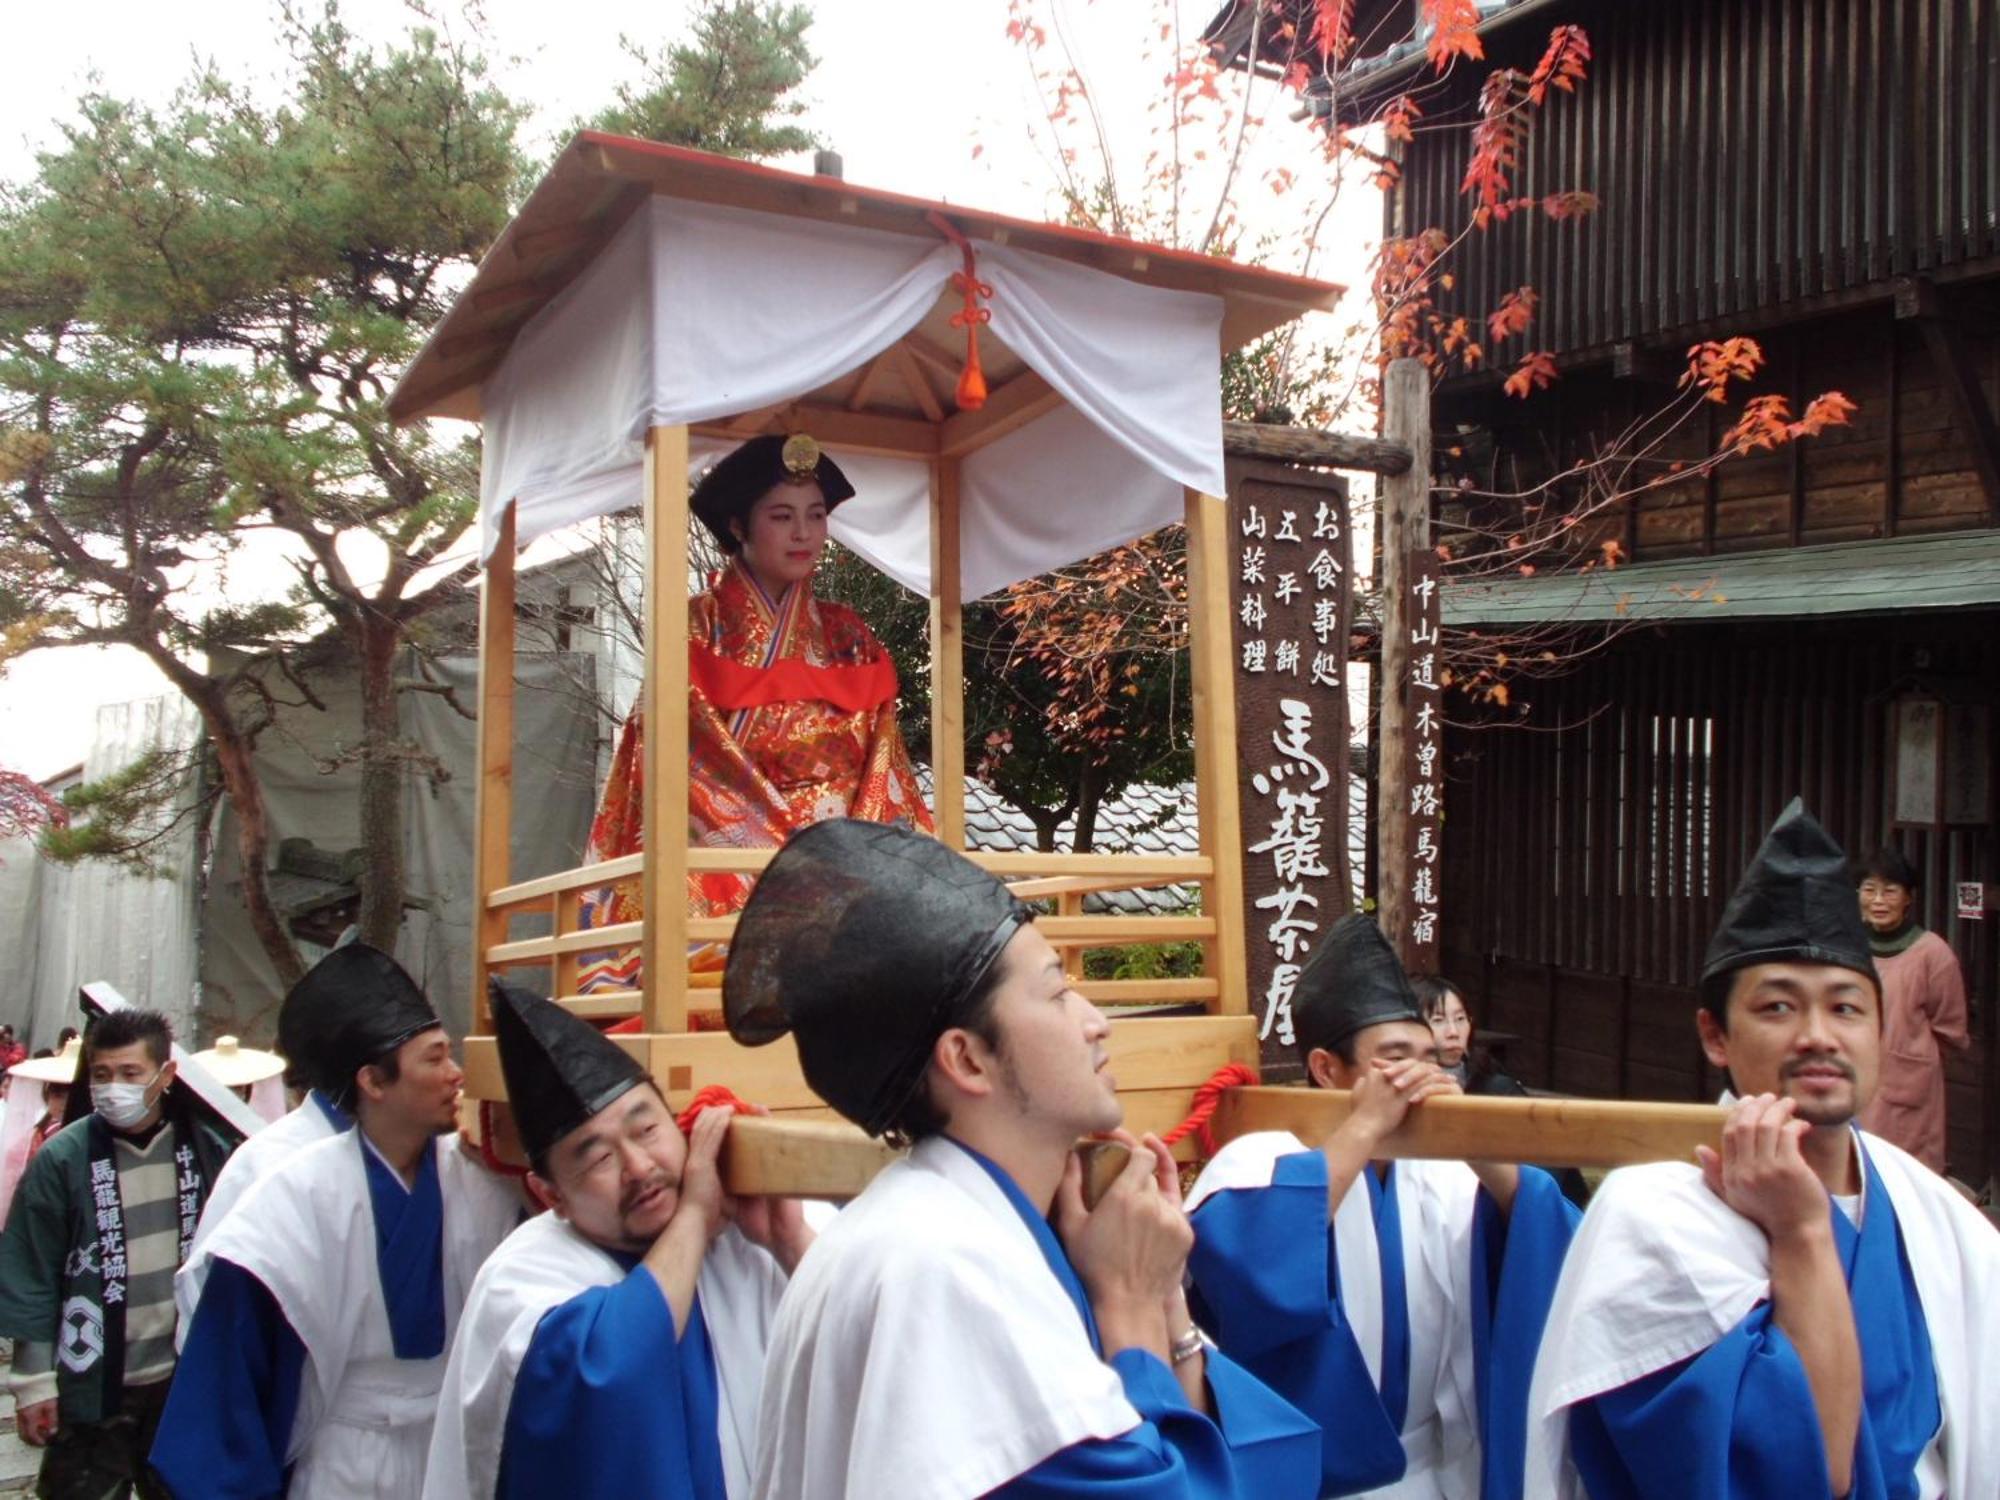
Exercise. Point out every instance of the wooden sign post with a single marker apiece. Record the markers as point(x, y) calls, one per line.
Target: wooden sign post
point(1291, 590)
point(1404, 534)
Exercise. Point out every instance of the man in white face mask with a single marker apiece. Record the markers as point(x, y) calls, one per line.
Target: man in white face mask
point(101, 1221)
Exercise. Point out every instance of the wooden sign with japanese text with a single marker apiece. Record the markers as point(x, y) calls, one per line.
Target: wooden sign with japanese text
point(1291, 589)
point(1424, 694)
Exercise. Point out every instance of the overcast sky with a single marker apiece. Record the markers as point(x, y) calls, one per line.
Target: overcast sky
point(926, 97)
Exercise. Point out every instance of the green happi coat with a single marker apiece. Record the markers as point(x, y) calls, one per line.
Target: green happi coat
point(52, 1255)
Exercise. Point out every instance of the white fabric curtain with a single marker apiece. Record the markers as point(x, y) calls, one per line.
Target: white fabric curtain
point(695, 312)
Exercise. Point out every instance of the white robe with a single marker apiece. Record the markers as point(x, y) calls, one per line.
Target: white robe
point(925, 1350)
point(1661, 1268)
point(248, 1165)
point(1435, 1202)
point(543, 1264)
point(307, 1233)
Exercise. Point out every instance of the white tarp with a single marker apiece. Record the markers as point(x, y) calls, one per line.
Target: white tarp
point(94, 921)
point(695, 312)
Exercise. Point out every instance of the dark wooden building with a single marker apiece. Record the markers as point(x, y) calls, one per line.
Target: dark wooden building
point(1823, 175)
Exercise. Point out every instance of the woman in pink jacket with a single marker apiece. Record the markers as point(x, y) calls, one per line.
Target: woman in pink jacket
point(1923, 1004)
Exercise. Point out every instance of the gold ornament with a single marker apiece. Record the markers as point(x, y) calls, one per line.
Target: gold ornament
point(800, 455)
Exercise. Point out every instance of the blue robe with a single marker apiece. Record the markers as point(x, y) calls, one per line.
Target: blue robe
point(1268, 1288)
point(1256, 1446)
point(235, 1395)
point(600, 1411)
point(1737, 1421)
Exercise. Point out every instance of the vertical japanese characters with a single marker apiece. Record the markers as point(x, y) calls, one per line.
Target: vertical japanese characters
point(1425, 691)
point(1292, 600)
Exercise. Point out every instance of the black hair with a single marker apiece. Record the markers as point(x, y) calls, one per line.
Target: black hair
point(121, 1028)
point(1430, 990)
point(1309, 1035)
point(920, 1117)
point(1888, 864)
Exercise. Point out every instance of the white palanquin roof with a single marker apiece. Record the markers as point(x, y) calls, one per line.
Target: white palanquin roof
point(645, 285)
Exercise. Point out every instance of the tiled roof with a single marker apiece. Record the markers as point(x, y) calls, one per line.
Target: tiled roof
point(1139, 820)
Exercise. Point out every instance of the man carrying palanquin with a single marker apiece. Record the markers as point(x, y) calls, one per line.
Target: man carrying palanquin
point(966, 1326)
point(1808, 1311)
point(613, 1346)
point(1399, 1304)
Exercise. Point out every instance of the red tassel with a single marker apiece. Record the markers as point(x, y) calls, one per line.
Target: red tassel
point(972, 381)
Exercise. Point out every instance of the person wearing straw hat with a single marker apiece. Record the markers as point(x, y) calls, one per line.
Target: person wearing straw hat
point(312, 1364)
point(1809, 1309)
point(53, 1074)
point(613, 1346)
point(245, 1069)
point(946, 1337)
point(32, 1111)
point(1397, 1303)
point(791, 698)
point(101, 1219)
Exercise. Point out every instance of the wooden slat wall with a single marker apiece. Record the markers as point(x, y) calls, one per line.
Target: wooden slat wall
point(1591, 853)
point(1745, 156)
point(1901, 467)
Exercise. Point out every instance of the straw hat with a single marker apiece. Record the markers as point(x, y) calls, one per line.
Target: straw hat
point(58, 1069)
point(236, 1066)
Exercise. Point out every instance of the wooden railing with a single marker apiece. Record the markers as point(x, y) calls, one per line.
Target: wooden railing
point(1032, 876)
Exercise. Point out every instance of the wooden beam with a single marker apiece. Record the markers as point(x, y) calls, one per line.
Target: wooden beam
point(947, 658)
point(583, 878)
point(1306, 445)
point(1212, 670)
point(1012, 407)
point(857, 431)
point(1918, 299)
point(1405, 524)
point(563, 239)
point(917, 383)
point(535, 289)
point(1552, 1132)
point(492, 831)
point(864, 388)
point(665, 696)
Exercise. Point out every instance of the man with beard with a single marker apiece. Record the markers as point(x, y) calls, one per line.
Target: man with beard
point(946, 1338)
point(318, 1345)
point(613, 1346)
point(306, 1020)
point(1803, 1312)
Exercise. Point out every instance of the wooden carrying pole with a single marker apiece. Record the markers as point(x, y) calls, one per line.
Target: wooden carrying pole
point(827, 1159)
point(1548, 1132)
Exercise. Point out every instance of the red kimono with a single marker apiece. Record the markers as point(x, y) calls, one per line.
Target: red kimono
point(791, 720)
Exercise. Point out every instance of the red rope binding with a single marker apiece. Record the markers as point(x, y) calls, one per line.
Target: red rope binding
point(1206, 1098)
point(487, 1154)
point(710, 1094)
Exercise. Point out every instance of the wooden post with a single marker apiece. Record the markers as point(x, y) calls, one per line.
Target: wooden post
point(1405, 524)
point(492, 835)
point(1214, 683)
point(947, 659)
point(665, 695)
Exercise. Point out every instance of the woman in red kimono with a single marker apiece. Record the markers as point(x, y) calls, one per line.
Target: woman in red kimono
point(791, 699)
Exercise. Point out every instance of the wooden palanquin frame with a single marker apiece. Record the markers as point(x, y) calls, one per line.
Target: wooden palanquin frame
point(893, 406)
